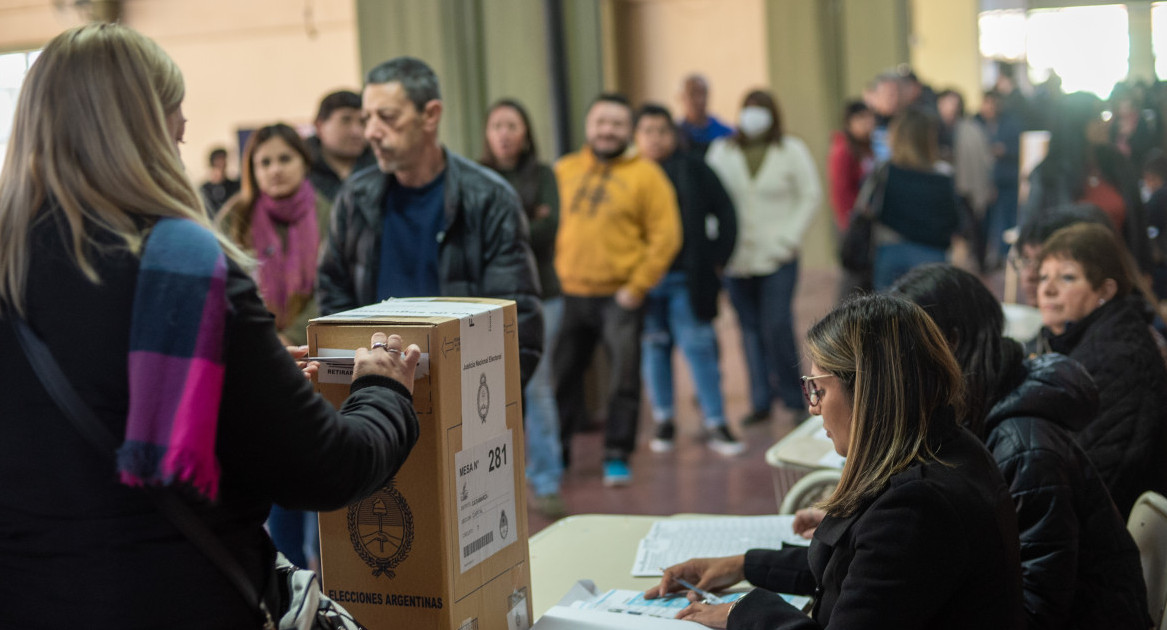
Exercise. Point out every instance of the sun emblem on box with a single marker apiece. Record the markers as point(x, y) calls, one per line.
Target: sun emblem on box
point(483, 398)
point(381, 530)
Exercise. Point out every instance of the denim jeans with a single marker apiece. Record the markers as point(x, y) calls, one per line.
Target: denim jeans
point(586, 321)
point(669, 321)
point(895, 259)
point(544, 460)
point(296, 533)
point(763, 305)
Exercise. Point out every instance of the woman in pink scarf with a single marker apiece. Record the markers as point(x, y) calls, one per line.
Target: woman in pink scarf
point(279, 218)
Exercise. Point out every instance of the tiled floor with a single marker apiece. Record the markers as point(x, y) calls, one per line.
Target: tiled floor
point(693, 478)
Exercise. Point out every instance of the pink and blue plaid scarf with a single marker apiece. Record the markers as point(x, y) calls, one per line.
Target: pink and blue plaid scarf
point(176, 360)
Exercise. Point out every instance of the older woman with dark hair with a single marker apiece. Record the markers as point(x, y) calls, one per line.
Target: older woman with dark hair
point(1080, 566)
point(920, 532)
point(109, 259)
point(1091, 313)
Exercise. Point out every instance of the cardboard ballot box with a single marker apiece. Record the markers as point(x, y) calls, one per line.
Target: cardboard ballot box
point(444, 545)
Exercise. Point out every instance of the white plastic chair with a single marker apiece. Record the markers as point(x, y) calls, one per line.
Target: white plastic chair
point(811, 489)
point(1148, 526)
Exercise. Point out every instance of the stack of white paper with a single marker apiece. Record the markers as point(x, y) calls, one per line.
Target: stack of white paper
point(674, 541)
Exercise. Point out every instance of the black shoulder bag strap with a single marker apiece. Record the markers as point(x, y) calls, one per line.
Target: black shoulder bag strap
point(86, 423)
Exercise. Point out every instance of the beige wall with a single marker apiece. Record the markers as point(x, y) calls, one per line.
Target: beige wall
point(661, 41)
point(246, 62)
point(945, 47)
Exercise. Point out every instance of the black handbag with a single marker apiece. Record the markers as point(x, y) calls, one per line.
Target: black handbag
point(857, 248)
point(300, 604)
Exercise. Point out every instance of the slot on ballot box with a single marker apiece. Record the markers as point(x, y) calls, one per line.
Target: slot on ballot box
point(444, 544)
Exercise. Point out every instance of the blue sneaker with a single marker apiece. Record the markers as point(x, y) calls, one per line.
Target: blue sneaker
point(616, 473)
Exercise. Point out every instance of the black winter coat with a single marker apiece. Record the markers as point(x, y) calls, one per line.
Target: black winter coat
point(937, 549)
point(701, 196)
point(80, 550)
point(1127, 441)
point(484, 250)
point(1080, 566)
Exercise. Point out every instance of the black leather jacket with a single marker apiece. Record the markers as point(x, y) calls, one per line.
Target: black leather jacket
point(1080, 567)
point(484, 248)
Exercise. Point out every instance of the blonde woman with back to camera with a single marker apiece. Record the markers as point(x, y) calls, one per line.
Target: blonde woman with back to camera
point(109, 258)
point(920, 532)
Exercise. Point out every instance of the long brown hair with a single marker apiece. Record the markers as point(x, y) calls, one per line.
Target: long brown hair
point(762, 98)
point(914, 141)
point(235, 217)
point(896, 366)
point(526, 168)
point(90, 143)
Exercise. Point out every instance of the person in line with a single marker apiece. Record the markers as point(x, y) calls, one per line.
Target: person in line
point(849, 164)
point(920, 532)
point(618, 233)
point(918, 215)
point(278, 218)
point(680, 309)
point(1092, 312)
point(111, 259)
point(966, 146)
point(698, 127)
point(1004, 129)
point(427, 221)
point(771, 177)
point(509, 149)
point(1155, 180)
point(1080, 566)
point(850, 161)
point(1082, 166)
point(339, 148)
point(218, 188)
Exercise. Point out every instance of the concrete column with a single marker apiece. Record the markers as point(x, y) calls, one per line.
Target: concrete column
point(1142, 59)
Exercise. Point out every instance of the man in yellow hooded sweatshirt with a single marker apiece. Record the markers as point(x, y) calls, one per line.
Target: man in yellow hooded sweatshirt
point(619, 229)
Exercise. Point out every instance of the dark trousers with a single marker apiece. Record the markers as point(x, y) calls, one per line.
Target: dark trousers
point(764, 306)
point(586, 321)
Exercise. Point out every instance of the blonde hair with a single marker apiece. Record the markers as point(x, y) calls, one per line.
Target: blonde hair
point(895, 365)
point(914, 141)
point(90, 143)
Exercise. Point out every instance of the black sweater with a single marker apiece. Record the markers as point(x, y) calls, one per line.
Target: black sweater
point(77, 548)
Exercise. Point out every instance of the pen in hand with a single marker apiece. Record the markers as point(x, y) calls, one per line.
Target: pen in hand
point(709, 598)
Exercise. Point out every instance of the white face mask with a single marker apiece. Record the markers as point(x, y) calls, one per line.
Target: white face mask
point(755, 121)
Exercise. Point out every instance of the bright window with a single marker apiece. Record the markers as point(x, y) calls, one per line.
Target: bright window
point(1089, 47)
point(13, 67)
point(1159, 38)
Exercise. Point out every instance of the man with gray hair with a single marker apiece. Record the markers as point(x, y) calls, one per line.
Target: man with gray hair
point(427, 221)
point(698, 127)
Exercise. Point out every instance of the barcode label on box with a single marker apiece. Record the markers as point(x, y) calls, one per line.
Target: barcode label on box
point(485, 478)
point(478, 544)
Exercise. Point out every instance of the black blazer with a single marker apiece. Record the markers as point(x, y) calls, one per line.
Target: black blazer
point(80, 550)
point(700, 197)
point(937, 549)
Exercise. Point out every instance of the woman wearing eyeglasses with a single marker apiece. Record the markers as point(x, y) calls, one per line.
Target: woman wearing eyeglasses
point(920, 532)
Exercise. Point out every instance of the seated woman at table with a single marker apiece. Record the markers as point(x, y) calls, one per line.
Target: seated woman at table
point(1092, 312)
point(1080, 565)
point(920, 532)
